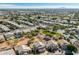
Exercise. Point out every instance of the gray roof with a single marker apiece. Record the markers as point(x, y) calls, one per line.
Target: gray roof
point(38, 44)
point(13, 23)
point(26, 22)
point(9, 34)
point(7, 52)
point(5, 28)
point(50, 43)
point(2, 38)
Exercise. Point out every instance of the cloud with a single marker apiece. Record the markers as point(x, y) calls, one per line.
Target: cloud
point(7, 5)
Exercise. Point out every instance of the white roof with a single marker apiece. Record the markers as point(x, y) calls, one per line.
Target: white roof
point(18, 31)
point(25, 47)
point(22, 47)
point(7, 52)
point(61, 31)
point(1, 37)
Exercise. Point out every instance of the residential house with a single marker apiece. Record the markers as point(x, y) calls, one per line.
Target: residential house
point(39, 47)
point(22, 49)
point(7, 52)
point(2, 38)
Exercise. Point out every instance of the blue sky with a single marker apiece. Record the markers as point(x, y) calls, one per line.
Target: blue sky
point(39, 5)
point(36, 4)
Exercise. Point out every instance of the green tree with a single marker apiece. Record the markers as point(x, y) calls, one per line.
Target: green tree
point(56, 27)
point(71, 48)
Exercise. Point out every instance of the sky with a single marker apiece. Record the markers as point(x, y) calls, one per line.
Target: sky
point(39, 5)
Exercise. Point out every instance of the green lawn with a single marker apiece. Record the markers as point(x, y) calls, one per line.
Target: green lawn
point(51, 33)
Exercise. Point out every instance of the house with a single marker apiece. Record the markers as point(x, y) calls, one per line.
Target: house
point(51, 46)
point(40, 36)
point(63, 44)
point(42, 25)
point(66, 18)
point(76, 44)
point(2, 38)
point(47, 38)
point(39, 47)
point(13, 24)
point(7, 52)
point(61, 31)
point(8, 35)
point(4, 28)
point(18, 33)
point(22, 49)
